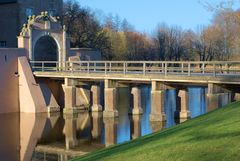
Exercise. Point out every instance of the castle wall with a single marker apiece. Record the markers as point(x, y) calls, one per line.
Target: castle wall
point(9, 79)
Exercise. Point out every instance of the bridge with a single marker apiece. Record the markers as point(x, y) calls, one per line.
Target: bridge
point(221, 77)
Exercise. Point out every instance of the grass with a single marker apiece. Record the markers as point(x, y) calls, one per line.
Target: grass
point(212, 137)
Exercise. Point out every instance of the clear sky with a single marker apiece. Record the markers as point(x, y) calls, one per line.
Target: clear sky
point(146, 14)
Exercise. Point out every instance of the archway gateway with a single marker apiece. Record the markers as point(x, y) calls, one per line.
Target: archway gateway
point(45, 49)
point(44, 39)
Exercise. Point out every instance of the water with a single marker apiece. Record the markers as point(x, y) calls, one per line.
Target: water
point(58, 138)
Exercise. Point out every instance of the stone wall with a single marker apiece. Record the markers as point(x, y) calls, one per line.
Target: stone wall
point(85, 53)
point(9, 24)
point(9, 79)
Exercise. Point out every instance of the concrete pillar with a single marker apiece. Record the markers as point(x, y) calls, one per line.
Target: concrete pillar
point(69, 96)
point(158, 125)
point(137, 105)
point(217, 97)
point(110, 131)
point(212, 102)
point(70, 131)
point(184, 105)
point(110, 99)
point(97, 124)
point(237, 97)
point(157, 103)
point(135, 126)
point(96, 103)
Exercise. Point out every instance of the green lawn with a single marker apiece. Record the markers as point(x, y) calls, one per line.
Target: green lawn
point(211, 137)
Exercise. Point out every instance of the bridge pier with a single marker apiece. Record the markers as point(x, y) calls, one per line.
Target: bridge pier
point(158, 125)
point(96, 103)
point(110, 99)
point(71, 92)
point(110, 130)
point(237, 97)
point(157, 102)
point(136, 102)
point(217, 97)
point(184, 104)
point(69, 98)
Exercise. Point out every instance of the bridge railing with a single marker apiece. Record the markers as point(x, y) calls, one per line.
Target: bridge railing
point(189, 68)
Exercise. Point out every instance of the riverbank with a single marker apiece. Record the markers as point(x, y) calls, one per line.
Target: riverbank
point(213, 136)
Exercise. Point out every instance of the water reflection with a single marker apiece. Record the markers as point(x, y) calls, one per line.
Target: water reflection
point(61, 137)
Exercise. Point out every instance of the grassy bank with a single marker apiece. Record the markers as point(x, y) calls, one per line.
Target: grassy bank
point(214, 136)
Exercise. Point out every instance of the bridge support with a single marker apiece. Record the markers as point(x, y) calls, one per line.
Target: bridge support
point(96, 103)
point(110, 99)
point(110, 131)
point(217, 97)
point(158, 125)
point(184, 105)
point(69, 98)
point(157, 104)
point(237, 97)
point(70, 95)
point(137, 105)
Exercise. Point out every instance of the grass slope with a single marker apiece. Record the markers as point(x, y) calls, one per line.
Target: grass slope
point(214, 136)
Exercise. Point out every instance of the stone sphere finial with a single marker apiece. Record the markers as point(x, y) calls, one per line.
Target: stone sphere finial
point(42, 13)
point(46, 13)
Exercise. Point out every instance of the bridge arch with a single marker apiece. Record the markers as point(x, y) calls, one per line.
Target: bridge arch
point(46, 48)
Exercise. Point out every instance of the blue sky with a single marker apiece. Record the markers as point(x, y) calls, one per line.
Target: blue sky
point(146, 14)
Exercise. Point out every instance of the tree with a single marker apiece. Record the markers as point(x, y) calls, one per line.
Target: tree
point(83, 28)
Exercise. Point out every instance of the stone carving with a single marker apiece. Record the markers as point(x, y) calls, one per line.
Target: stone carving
point(42, 18)
point(24, 30)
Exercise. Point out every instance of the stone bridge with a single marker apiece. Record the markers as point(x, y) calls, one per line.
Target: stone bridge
point(222, 78)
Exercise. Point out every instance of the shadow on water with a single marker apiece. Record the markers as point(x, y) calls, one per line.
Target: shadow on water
point(61, 137)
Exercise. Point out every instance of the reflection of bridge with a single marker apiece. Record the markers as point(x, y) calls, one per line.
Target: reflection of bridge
point(221, 78)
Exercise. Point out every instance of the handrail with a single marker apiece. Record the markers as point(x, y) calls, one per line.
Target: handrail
point(188, 68)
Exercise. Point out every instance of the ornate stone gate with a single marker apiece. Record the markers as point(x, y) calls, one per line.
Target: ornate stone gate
point(44, 39)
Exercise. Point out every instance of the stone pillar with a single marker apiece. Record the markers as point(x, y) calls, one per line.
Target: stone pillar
point(69, 98)
point(137, 105)
point(218, 96)
point(158, 125)
point(70, 131)
point(110, 131)
point(237, 97)
point(135, 126)
point(97, 125)
point(96, 103)
point(157, 103)
point(184, 105)
point(110, 99)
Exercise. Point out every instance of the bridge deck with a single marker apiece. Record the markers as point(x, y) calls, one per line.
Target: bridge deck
point(177, 72)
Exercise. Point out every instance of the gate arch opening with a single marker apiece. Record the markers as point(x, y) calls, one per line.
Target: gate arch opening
point(46, 49)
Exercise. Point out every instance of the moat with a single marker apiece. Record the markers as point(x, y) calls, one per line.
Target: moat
point(58, 137)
